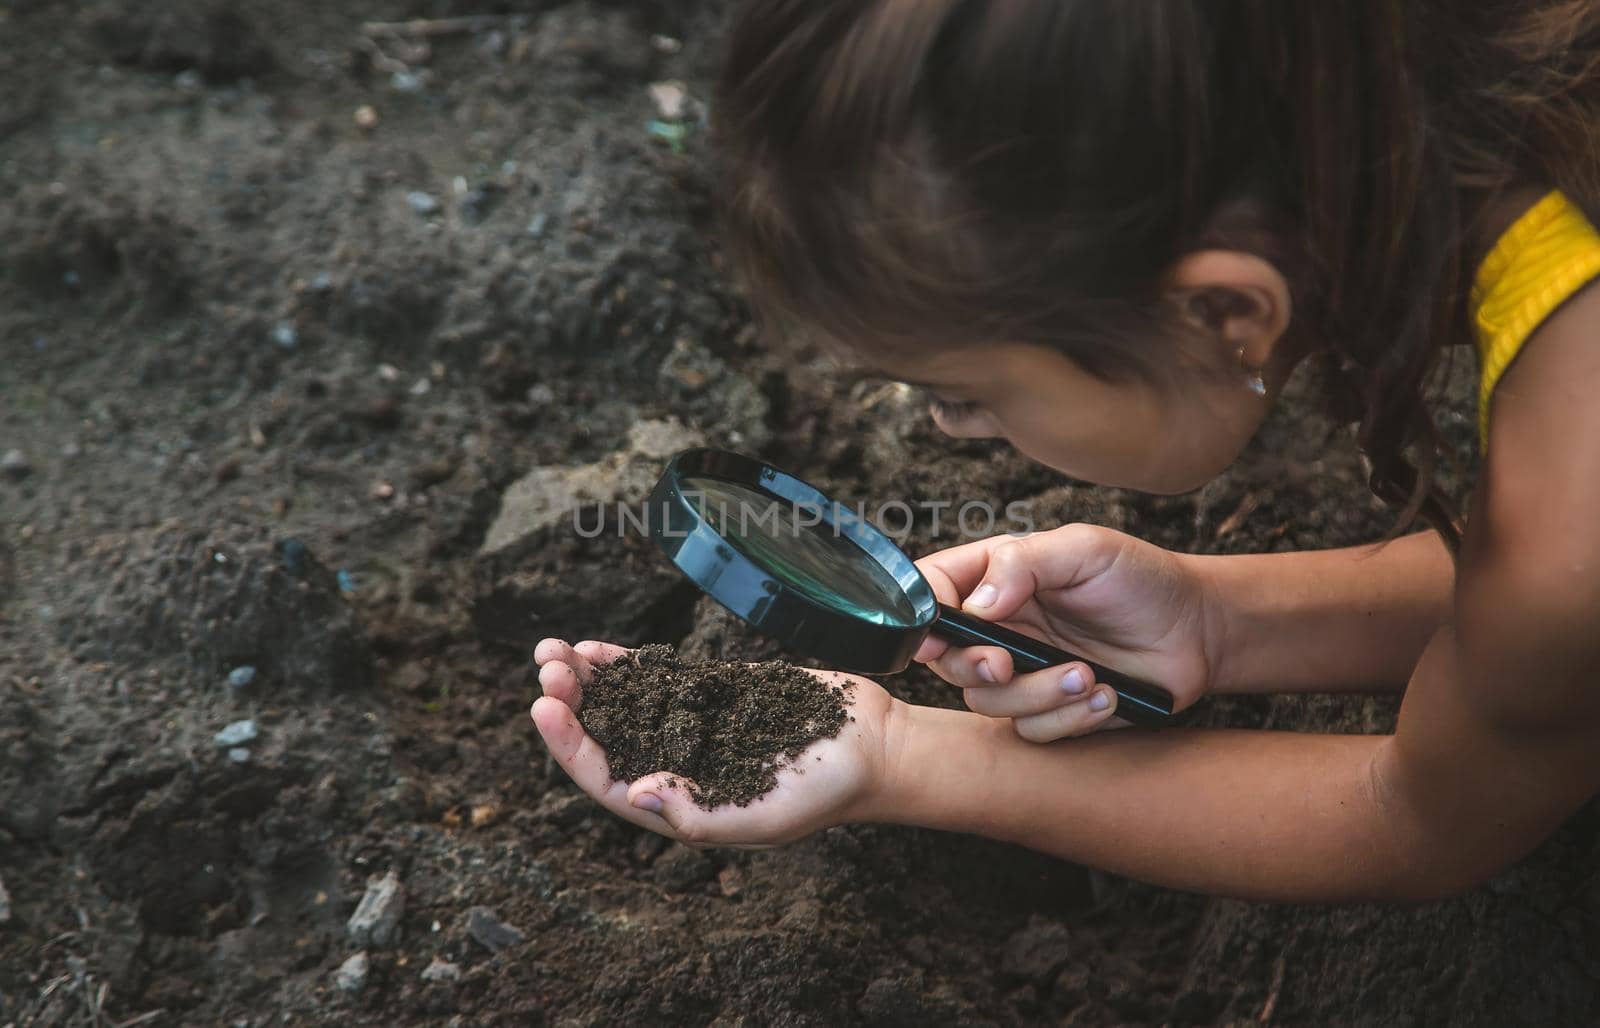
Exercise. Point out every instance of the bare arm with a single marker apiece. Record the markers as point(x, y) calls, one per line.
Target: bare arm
point(1350, 620)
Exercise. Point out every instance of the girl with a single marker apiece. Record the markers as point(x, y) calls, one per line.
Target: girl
point(1108, 232)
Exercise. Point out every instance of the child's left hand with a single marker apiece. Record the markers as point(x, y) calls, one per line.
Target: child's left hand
point(837, 779)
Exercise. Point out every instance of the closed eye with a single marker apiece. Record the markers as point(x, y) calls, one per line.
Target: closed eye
point(951, 411)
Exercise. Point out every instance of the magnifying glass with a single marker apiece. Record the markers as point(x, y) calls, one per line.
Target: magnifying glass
point(819, 579)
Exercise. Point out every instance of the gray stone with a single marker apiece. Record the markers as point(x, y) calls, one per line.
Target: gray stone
point(239, 755)
point(236, 734)
point(15, 465)
point(241, 676)
point(352, 974)
point(491, 932)
point(550, 494)
point(376, 921)
point(422, 203)
point(284, 335)
point(5, 904)
point(441, 971)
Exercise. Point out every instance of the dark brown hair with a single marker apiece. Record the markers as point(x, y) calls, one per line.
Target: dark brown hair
point(946, 171)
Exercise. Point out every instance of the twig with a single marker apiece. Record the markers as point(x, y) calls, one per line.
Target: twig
point(435, 26)
point(144, 1018)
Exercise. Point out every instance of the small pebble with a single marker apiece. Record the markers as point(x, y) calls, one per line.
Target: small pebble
point(241, 676)
point(376, 921)
point(537, 224)
point(321, 282)
point(14, 465)
point(293, 553)
point(347, 581)
point(671, 99)
point(406, 82)
point(188, 80)
point(352, 974)
point(239, 755)
point(5, 904)
point(284, 334)
point(366, 117)
point(489, 931)
point(422, 203)
point(666, 44)
point(236, 734)
point(441, 971)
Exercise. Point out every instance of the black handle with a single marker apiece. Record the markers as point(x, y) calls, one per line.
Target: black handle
point(1138, 703)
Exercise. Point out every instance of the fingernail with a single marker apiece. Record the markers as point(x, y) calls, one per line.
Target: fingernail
point(983, 596)
point(1074, 681)
point(984, 672)
point(1100, 701)
point(648, 801)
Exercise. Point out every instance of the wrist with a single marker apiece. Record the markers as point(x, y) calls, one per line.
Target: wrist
point(1217, 610)
point(932, 759)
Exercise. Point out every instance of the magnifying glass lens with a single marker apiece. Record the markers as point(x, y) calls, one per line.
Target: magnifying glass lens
point(808, 549)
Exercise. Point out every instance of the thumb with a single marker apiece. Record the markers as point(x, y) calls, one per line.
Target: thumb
point(1020, 568)
point(670, 797)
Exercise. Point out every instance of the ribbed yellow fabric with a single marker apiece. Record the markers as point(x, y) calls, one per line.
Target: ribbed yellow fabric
point(1537, 265)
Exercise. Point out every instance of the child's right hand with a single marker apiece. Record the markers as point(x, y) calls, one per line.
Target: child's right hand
point(1107, 596)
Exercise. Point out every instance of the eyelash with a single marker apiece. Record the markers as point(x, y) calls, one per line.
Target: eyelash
point(950, 410)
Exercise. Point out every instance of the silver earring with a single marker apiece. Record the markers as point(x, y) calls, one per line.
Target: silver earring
point(1253, 380)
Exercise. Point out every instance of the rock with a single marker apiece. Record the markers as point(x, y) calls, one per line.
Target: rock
point(239, 755)
point(491, 932)
point(241, 676)
point(421, 203)
point(236, 734)
point(376, 921)
point(285, 335)
point(366, 117)
point(352, 974)
point(682, 869)
point(549, 495)
point(441, 971)
point(5, 904)
point(671, 99)
point(1037, 951)
point(731, 880)
point(14, 465)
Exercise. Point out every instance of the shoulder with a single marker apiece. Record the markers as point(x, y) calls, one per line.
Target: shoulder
point(1528, 588)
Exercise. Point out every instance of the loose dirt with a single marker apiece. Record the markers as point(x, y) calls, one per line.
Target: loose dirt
point(728, 727)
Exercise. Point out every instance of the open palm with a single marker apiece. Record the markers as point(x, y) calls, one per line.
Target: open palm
point(823, 786)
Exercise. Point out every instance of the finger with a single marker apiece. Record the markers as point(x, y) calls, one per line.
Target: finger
point(930, 650)
point(954, 572)
point(560, 682)
point(585, 762)
point(598, 654)
point(1070, 720)
point(670, 797)
point(1019, 568)
point(560, 651)
point(1034, 693)
point(974, 667)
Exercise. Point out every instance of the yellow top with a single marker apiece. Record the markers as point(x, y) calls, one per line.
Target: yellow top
point(1547, 256)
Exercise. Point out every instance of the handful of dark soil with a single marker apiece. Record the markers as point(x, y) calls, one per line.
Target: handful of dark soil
point(726, 726)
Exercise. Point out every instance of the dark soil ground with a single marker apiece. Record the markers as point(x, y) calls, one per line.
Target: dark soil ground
point(271, 377)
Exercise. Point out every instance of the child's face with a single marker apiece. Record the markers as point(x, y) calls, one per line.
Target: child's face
point(1139, 435)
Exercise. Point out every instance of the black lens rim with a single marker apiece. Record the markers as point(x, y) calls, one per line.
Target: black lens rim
point(798, 622)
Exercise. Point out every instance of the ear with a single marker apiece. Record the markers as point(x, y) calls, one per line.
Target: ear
point(1237, 297)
